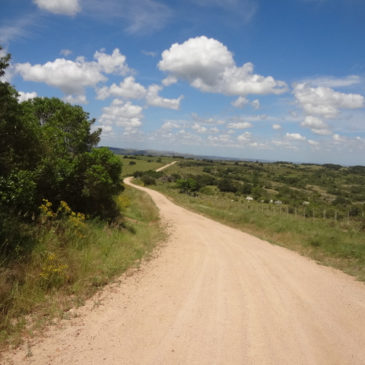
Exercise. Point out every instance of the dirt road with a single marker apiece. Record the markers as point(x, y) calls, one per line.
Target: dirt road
point(215, 295)
point(166, 166)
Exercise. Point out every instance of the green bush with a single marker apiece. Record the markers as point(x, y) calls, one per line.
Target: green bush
point(227, 185)
point(47, 151)
point(148, 180)
point(188, 185)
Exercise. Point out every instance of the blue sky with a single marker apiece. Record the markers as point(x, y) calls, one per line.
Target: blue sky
point(261, 79)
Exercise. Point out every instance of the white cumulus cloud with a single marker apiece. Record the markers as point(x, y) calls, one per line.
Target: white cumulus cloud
point(330, 81)
point(313, 122)
point(24, 96)
point(240, 102)
point(276, 126)
point(154, 99)
point(65, 52)
point(113, 63)
point(313, 143)
point(239, 125)
point(295, 136)
point(72, 77)
point(170, 125)
point(199, 128)
point(122, 114)
point(324, 101)
point(337, 138)
point(222, 139)
point(208, 65)
point(211, 121)
point(128, 89)
point(317, 125)
point(169, 80)
point(69, 76)
point(75, 99)
point(245, 137)
point(66, 7)
point(256, 104)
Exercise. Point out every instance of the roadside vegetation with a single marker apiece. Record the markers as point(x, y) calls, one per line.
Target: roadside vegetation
point(72, 258)
point(67, 224)
point(317, 210)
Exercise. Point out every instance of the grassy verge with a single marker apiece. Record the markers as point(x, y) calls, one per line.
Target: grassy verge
point(329, 243)
point(71, 260)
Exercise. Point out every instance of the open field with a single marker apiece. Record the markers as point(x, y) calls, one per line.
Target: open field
point(142, 163)
point(285, 210)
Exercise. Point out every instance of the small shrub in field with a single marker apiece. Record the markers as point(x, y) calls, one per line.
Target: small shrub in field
point(227, 185)
point(67, 223)
point(53, 271)
point(188, 185)
point(148, 180)
point(123, 202)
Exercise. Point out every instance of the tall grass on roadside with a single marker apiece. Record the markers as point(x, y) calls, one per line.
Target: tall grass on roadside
point(71, 259)
point(337, 244)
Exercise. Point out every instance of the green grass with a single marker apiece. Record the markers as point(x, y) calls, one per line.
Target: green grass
point(71, 261)
point(143, 163)
point(334, 244)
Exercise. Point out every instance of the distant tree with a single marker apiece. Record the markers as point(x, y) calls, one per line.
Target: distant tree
point(357, 170)
point(340, 200)
point(148, 180)
point(332, 166)
point(227, 185)
point(203, 180)
point(246, 188)
point(188, 185)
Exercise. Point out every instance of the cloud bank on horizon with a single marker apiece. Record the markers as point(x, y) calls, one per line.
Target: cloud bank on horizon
point(161, 76)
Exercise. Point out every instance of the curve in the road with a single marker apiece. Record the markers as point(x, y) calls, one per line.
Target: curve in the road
point(215, 295)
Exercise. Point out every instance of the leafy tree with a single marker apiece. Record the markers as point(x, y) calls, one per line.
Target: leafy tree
point(246, 188)
point(47, 150)
point(204, 180)
point(65, 128)
point(98, 173)
point(148, 180)
point(227, 185)
point(188, 185)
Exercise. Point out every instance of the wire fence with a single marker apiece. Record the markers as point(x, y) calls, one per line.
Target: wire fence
point(315, 213)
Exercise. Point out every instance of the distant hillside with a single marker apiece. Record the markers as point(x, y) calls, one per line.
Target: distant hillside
point(135, 152)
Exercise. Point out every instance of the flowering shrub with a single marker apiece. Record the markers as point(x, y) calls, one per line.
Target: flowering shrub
point(53, 271)
point(122, 201)
point(60, 228)
point(46, 211)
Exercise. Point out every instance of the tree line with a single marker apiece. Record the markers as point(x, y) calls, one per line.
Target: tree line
point(47, 152)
